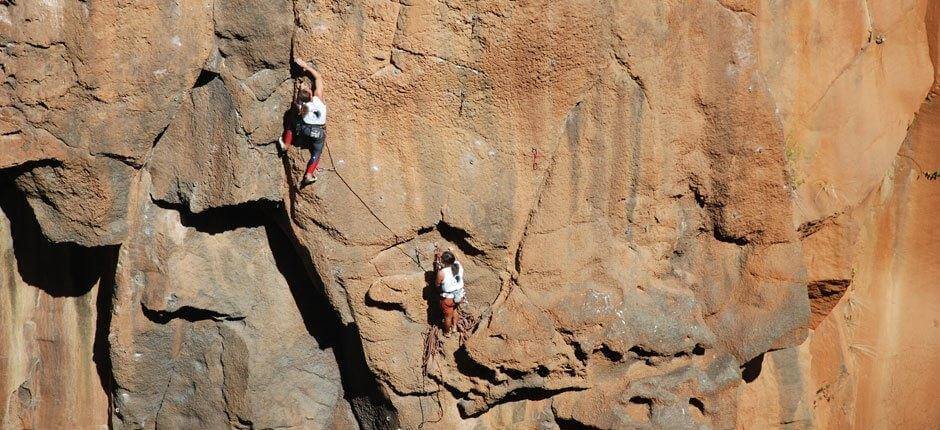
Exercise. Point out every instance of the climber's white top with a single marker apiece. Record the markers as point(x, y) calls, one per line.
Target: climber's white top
point(452, 286)
point(316, 112)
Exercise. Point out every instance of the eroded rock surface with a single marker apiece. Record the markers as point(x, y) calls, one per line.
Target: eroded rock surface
point(207, 330)
point(663, 210)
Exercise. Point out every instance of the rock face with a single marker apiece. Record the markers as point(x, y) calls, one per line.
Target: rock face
point(55, 370)
point(668, 213)
point(207, 333)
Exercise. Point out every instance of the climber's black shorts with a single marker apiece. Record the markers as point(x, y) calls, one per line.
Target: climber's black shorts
point(312, 134)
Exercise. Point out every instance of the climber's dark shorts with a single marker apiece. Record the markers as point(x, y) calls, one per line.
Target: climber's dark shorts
point(313, 135)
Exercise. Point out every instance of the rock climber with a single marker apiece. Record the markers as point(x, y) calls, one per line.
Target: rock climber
point(450, 282)
point(307, 121)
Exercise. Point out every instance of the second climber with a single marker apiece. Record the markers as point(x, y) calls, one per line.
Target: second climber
point(307, 121)
point(450, 281)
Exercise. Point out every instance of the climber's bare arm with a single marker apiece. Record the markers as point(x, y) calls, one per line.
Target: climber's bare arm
point(317, 77)
point(318, 83)
point(440, 278)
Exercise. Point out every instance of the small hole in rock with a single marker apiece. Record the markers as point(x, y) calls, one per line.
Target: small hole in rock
point(751, 370)
point(697, 404)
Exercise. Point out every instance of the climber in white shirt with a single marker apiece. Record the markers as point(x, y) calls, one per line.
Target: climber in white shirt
point(307, 121)
point(450, 282)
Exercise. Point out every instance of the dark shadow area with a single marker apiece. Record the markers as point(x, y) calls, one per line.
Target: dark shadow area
point(372, 409)
point(722, 236)
point(63, 270)
point(697, 404)
point(458, 237)
point(471, 368)
point(59, 269)
point(225, 218)
point(391, 307)
point(319, 317)
point(647, 355)
point(517, 395)
point(645, 404)
point(610, 354)
point(751, 370)
point(431, 296)
point(361, 389)
point(564, 424)
point(205, 76)
point(101, 348)
point(186, 313)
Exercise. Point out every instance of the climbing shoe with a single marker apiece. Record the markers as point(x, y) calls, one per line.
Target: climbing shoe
point(281, 148)
point(307, 180)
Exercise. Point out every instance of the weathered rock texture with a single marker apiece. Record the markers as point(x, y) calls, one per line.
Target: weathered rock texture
point(690, 214)
point(55, 369)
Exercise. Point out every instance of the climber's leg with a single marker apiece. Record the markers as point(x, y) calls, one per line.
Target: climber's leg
point(454, 316)
point(310, 174)
point(285, 140)
point(449, 308)
point(287, 137)
point(312, 166)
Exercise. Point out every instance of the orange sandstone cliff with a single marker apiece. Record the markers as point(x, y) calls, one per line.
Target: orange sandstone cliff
point(695, 214)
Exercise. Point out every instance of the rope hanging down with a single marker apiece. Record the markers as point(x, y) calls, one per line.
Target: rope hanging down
point(434, 346)
point(398, 239)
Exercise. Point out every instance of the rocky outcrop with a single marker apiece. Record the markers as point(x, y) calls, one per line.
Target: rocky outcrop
point(663, 210)
point(54, 309)
point(207, 329)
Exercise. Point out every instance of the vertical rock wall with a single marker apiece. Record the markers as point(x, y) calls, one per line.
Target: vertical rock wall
point(672, 215)
point(54, 310)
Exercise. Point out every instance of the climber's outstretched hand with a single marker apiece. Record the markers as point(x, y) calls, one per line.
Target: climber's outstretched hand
point(318, 78)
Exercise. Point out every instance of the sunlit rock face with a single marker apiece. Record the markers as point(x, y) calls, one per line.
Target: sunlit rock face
point(663, 211)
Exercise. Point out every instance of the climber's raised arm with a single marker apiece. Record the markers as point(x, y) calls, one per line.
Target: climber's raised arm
point(317, 77)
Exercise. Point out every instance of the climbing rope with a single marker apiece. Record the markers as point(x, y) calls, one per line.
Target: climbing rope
point(434, 346)
point(398, 239)
point(466, 324)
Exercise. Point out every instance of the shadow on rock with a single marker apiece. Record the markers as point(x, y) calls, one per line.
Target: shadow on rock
point(59, 269)
point(430, 294)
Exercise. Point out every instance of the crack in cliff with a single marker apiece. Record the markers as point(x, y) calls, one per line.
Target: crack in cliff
point(187, 313)
point(439, 58)
point(635, 77)
point(219, 219)
point(540, 194)
point(810, 227)
point(801, 117)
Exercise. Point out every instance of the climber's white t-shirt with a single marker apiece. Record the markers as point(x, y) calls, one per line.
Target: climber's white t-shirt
point(316, 112)
point(452, 286)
